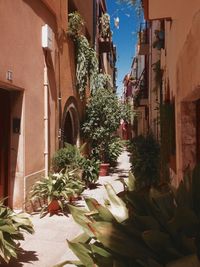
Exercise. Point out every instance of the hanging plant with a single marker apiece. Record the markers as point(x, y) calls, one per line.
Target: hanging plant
point(93, 69)
point(105, 26)
point(75, 24)
point(86, 58)
point(82, 63)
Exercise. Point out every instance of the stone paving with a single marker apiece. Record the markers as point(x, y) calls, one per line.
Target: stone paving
point(47, 246)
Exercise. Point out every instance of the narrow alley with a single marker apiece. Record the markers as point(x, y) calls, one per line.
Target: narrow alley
point(100, 133)
point(47, 246)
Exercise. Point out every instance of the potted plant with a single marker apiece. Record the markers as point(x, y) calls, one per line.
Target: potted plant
point(103, 116)
point(66, 157)
point(55, 189)
point(90, 171)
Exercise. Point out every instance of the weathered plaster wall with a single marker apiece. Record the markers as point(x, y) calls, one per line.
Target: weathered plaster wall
point(182, 70)
point(154, 89)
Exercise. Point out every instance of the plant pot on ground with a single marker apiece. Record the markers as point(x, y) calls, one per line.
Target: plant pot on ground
point(103, 115)
point(90, 171)
point(104, 169)
point(56, 188)
point(53, 207)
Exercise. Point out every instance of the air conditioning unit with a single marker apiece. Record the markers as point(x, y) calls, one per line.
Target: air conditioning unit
point(47, 37)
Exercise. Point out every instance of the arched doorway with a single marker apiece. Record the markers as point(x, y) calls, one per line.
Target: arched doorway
point(70, 123)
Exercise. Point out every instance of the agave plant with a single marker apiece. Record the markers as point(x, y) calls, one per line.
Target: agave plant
point(12, 227)
point(57, 186)
point(163, 226)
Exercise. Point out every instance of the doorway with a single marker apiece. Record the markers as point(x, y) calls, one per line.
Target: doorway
point(68, 130)
point(4, 141)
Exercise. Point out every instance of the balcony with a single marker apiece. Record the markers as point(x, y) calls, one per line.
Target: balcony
point(143, 39)
point(105, 45)
point(140, 92)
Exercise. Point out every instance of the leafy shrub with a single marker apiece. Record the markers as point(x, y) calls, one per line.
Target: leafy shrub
point(12, 226)
point(90, 169)
point(145, 160)
point(65, 157)
point(114, 149)
point(102, 120)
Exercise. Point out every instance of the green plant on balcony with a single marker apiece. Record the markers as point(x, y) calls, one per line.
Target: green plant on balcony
point(12, 227)
point(75, 24)
point(105, 26)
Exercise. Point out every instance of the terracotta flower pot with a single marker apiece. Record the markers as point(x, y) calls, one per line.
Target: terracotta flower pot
point(53, 207)
point(104, 169)
point(74, 198)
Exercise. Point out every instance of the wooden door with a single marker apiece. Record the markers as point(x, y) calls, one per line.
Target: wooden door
point(4, 141)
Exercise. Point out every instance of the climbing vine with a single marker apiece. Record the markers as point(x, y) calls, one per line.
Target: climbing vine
point(87, 64)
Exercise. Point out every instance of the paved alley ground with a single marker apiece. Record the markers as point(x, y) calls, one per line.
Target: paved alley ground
point(48, 246)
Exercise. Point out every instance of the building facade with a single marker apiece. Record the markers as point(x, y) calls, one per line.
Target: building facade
point(177, 39)
point(40, 107)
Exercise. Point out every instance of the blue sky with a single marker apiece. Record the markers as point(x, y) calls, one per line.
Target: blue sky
point(124, 38)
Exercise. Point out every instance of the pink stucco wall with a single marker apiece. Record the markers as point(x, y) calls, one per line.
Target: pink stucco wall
point(182, 37)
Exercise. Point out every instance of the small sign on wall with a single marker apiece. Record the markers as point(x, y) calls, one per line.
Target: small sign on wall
point(16, 125)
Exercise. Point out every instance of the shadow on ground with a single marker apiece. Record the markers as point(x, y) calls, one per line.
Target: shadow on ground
point(23, 257)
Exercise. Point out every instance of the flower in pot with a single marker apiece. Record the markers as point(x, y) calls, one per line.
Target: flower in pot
point(55, 189)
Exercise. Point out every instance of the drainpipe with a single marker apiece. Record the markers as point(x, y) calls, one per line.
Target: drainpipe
point(46, 120)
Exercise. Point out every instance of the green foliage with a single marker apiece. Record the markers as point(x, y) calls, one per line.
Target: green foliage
point(136, 4)
point(87, 64)
point(114, 150)
point(65, 157)
point(60, 186)
point(105, 26)
point(162, 227)
point(145, 160)
point(103, 115)
point(90, 169)
point(126, 112)
point(75, 24)
point(12, 227)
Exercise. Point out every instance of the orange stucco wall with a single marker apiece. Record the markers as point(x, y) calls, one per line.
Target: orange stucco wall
point(21, 52)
